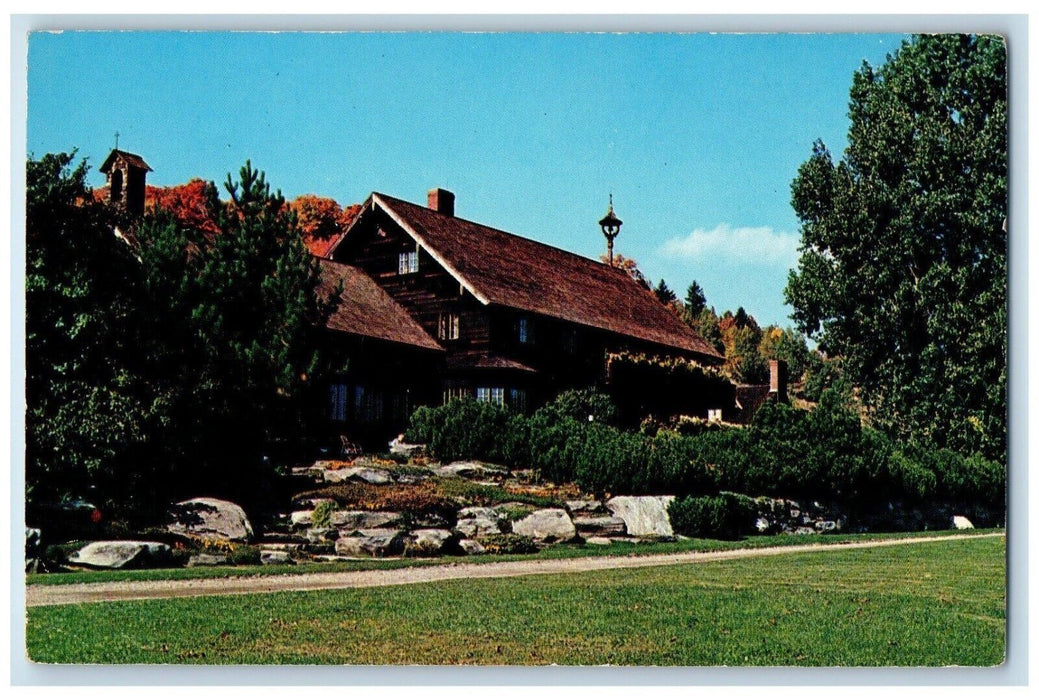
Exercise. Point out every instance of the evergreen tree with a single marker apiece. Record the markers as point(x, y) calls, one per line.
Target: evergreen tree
point(239, 322)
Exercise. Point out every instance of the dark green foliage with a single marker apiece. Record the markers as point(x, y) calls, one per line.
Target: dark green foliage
point(462, 429)
point(581, 405)
point(825, 454)
point(727, 516)
point(90, 406)
point(237, 324)
point(903, 258)
point(695, 300)
point(664, 294)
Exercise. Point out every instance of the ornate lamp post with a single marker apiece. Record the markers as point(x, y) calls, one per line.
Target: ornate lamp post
point(611, 226)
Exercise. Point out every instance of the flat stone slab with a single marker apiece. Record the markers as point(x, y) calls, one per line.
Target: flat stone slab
point(470, 470)
point(275, 556)
point(643, 515)
point(604, 525)
point(368, 475)
point(362, 519)
point(120, 554)
point(584, 506)
point(206, 559)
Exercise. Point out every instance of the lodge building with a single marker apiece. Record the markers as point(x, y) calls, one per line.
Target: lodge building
point(435, 307)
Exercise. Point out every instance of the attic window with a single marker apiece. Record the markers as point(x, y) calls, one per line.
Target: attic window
point(407, 263)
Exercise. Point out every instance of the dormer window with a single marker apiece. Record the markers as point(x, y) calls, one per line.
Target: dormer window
point(407, 263)
point(448, 327)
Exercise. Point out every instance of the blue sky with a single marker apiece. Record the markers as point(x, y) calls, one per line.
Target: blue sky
point(696, 135)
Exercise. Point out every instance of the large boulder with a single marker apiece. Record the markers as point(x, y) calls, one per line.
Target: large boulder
point(477, 521)
point(600, 526)
point(376, 543)
point(643, 516)
point(428, 541)
point(211, 519)
point(121, 554)
point(546, 525)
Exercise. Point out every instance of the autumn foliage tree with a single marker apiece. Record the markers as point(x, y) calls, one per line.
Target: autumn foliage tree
point(321, 220)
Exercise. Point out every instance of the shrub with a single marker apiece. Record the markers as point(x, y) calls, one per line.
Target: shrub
point(461, 429)
point(582, 405)
point(322, 515)
point(726, 516)
point(508, 544)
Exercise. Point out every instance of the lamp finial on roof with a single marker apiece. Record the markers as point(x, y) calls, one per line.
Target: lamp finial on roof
point(611, 226)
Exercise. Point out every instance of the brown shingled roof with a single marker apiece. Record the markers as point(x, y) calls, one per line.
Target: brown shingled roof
point(131, 158)
point(366, 309)
point(505, 269)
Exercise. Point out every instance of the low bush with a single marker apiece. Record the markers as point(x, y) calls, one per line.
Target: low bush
point(422, 500)
point(726, 516)
point(508, 544)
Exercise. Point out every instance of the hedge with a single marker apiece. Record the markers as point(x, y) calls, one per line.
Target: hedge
point(824, 454)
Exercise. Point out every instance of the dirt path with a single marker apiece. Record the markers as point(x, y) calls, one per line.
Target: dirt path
point(144, 590)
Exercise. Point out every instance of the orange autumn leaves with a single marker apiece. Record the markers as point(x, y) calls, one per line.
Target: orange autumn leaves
point(320, 220)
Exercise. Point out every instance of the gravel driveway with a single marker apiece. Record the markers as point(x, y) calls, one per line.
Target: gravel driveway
point(146, 590)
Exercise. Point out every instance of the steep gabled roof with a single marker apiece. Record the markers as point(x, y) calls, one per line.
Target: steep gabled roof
point(366, 309)
point(508, 270)
point(131, 158)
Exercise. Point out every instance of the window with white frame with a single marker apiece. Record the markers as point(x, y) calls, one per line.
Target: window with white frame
point(448, 326)
point(407, 262)
point(491, 394)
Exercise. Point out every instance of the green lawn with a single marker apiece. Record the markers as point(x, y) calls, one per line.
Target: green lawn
point(929, 604)
point(554, 552)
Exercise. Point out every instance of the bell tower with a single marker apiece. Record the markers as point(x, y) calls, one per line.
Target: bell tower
point(126, 173)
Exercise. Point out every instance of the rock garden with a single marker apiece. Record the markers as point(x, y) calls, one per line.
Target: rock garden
point(369, 507)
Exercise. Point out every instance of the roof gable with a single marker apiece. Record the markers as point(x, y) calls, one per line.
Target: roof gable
point(132, 159)
point(508, 270)
point(366, 309)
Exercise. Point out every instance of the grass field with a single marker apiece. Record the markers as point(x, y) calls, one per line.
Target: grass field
point(928, 604)
point(555, 552)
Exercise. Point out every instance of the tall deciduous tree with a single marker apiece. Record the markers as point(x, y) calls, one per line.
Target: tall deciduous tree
point(89, 408)
point(903, 258)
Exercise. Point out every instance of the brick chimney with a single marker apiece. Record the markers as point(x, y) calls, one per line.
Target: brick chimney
point(777, 380)
point(442, 201)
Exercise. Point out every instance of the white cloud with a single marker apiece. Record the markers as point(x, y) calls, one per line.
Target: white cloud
point(747, 245)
